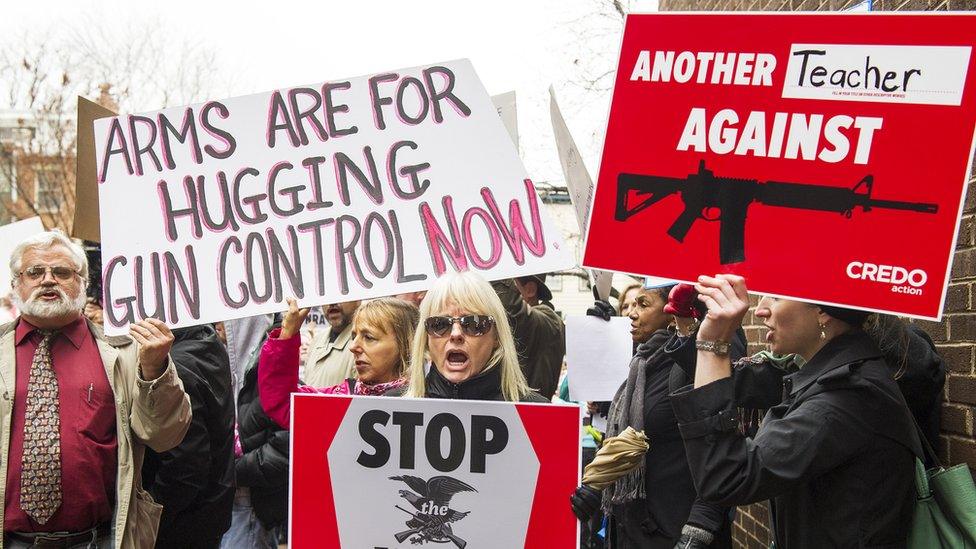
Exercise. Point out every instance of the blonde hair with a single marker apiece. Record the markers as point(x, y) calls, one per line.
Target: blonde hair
point(390, 316)
point(474, 294)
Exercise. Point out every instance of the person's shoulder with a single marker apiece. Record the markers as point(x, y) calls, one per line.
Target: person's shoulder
point(533, 396)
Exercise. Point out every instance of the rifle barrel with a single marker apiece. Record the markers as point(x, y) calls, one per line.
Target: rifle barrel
point(923, 207)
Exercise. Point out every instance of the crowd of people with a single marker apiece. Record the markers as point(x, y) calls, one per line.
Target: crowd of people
point(180, 438)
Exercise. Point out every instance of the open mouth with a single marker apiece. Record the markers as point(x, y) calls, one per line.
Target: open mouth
point(49, 295)
point(457, 359)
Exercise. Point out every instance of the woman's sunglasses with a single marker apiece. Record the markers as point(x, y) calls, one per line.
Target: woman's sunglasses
point(471, 325)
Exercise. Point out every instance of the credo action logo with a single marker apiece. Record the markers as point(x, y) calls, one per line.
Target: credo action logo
point(903, 281)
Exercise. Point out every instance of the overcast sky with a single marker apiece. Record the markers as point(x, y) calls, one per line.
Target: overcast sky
point(515, 45)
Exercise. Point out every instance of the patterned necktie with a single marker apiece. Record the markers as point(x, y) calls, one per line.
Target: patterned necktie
point(40, 475)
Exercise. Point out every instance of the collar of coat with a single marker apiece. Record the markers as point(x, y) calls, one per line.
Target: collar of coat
point(485, 386)
point(835, 360)
point(96, 330)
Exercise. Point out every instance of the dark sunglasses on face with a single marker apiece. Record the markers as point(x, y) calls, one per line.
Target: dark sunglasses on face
point(471, 325)
point(59, 272)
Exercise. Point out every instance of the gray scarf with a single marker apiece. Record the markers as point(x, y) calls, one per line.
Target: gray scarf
point(627, 410)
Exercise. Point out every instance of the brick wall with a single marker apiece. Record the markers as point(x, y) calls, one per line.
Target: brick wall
point(955, 335)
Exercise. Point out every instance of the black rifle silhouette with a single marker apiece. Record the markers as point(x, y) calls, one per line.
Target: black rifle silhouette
point(425, 523)
point(703, 191)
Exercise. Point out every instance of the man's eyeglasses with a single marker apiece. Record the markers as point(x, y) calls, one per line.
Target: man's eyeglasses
point(471, 325)
point(59, 272)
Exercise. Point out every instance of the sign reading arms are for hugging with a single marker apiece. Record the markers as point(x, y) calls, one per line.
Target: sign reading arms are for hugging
point(332, 192)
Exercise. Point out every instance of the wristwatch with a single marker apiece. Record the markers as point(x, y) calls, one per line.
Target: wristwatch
point(720, 348)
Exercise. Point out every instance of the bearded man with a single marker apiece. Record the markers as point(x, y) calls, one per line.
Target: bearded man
point(79, 406)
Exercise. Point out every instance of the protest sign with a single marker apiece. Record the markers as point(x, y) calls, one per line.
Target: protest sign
point(380, 472)
point(829, 152)
point(578, 182)
point(598, 356)
point(85, 224)
point(333, 192)
point(505, 105)
point(10, 235)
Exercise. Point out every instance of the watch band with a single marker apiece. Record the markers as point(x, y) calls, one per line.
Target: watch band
point(720, 348)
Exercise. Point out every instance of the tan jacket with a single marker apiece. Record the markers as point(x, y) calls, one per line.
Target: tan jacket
point(329, 362)
point(154, 414)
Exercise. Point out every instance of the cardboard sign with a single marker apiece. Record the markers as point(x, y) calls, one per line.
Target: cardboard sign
point(333, 192)
point(578, 182)
point(823, 157)
point(86, 217)
point(381, 472)
point(598, 355)
point(10, 235)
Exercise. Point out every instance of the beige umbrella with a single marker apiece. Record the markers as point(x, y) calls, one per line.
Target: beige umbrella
point(618, 456)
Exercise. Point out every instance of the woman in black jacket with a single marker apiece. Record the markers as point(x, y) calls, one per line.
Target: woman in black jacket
point(465, 336)
point(656, 505)
point(835, 452)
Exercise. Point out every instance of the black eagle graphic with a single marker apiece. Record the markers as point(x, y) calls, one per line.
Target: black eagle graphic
point(433, 518)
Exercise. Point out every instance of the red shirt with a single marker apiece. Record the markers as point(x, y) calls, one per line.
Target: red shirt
point(89, 441)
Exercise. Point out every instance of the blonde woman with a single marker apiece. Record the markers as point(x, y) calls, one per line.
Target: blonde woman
point(464, 336)
point(382, 332)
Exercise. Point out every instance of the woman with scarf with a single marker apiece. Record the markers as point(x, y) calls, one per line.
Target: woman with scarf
point(382, 331)
point(655, 505)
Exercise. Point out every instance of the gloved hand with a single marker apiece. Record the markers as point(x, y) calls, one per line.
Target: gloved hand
point(602, 309)
point(694, 537)
point(585, 502)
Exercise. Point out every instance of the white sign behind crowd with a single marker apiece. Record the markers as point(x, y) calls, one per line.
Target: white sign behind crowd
point(332, 192)
point(10, 235)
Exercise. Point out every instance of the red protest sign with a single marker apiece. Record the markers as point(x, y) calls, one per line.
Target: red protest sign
point(823, 157)
point(383, 472)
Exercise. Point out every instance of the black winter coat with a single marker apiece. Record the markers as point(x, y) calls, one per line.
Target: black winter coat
point(194, 482)
point(835, 452)
point(672, 500)
point(264, 465)
point(485, 386)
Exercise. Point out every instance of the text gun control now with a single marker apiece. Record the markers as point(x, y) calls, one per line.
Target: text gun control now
point(703, 192)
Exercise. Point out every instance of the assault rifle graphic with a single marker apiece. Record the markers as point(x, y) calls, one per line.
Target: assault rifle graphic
point(426, 527)
point(702, 192)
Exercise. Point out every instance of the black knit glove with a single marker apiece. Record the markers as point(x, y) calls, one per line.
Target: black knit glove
point(602, 309)
point(694, 537)
point(585, 502)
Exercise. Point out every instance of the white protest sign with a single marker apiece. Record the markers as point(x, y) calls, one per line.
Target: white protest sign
point(505, 104)
point(598, 355)
point(345, 190)
point(11, 235)
point(578, 182)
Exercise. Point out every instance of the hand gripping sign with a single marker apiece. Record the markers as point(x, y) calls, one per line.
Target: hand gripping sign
point(378, 473)
point(823, 157)
point(333, 192)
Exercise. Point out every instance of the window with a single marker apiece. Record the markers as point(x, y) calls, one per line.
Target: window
point(555, 283)
point(584, 283)
point(47, 191)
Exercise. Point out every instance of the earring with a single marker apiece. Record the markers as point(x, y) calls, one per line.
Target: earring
point(823, 331)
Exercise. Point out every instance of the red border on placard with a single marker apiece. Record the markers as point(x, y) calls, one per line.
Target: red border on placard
point(556, 444)
point(311, 502)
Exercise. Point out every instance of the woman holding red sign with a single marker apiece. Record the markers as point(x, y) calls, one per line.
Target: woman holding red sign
point(835, 451)
point(464, 333)
point(382, 331)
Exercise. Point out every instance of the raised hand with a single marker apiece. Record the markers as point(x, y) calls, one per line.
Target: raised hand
point(155, 340)
point(293, 319)
point(727, 301)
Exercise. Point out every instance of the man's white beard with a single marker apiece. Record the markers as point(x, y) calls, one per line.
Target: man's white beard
point(36, 307)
